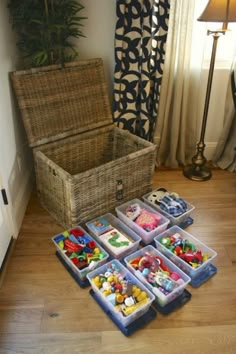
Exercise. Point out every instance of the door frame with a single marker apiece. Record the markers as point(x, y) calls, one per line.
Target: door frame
point(6, 226)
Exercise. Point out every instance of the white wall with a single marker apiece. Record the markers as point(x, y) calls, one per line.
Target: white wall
point(99, 29)
point(14, 152)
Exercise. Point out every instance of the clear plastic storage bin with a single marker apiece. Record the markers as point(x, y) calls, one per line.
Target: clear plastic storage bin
point(115, 250)
point(125, 320)
point(187, 268)
point(173, 220)
point(161, 298)
point(147, 236)
point(103, 255)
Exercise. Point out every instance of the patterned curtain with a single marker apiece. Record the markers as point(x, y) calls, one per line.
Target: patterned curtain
point(140, 37)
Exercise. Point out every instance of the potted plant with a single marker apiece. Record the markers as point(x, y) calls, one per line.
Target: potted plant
point(46, 29)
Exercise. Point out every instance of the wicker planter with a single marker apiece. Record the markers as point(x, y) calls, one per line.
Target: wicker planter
point(85, 166)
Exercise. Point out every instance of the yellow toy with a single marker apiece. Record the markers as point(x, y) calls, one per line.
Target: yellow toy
point(128, 310)
point(97, 282)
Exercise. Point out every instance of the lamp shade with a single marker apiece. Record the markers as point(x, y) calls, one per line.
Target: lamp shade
point(219, 11)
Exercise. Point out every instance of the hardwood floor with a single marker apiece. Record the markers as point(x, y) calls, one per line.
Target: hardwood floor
point(43, 310)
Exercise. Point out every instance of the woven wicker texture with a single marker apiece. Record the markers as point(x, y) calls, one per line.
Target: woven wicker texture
point(54, 101)
point(77, 177)
point(94, 166)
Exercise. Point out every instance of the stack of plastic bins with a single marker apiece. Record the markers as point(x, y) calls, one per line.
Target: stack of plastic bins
point(80, 274)
point(146, 236)
point(116, 315)
point(161, 298)
point(173, 220)
point(203, 271)
point(116, 251)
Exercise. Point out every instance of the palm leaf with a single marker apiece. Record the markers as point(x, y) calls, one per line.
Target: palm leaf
point(44, 37)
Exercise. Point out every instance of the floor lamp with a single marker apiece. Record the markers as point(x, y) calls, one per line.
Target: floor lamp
point(216, 11)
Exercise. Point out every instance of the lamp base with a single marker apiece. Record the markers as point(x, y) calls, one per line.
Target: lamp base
point(197, 173)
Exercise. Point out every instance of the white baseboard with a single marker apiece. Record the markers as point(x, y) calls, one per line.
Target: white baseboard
point(21, 202)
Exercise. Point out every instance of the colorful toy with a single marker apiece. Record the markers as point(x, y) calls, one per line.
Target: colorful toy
point(148, 262)
point(100, 226)
point(142, 217)
point(119, 290)
point(166, 283)
point(133, 211)
point(116, 241)
point(168, 201)
point(80, 248)
point(148, 221)
point(156, 272)
point(184, 249)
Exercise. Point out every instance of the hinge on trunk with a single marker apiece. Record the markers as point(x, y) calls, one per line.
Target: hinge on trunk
point(4, 196)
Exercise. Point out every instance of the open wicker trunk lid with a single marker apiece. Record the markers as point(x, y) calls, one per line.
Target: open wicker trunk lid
point(85, 166)
point(56, 101)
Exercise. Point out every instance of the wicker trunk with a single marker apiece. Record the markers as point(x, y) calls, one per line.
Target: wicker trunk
point(85, 166)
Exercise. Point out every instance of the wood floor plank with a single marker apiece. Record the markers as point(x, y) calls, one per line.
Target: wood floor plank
point(76, 315)
point(21, 318)
point(231, 250)
point(197, 340)
point(30, 286)
point(57, 343)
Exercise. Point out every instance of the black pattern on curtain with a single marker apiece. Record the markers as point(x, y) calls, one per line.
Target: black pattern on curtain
point(140, 37)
